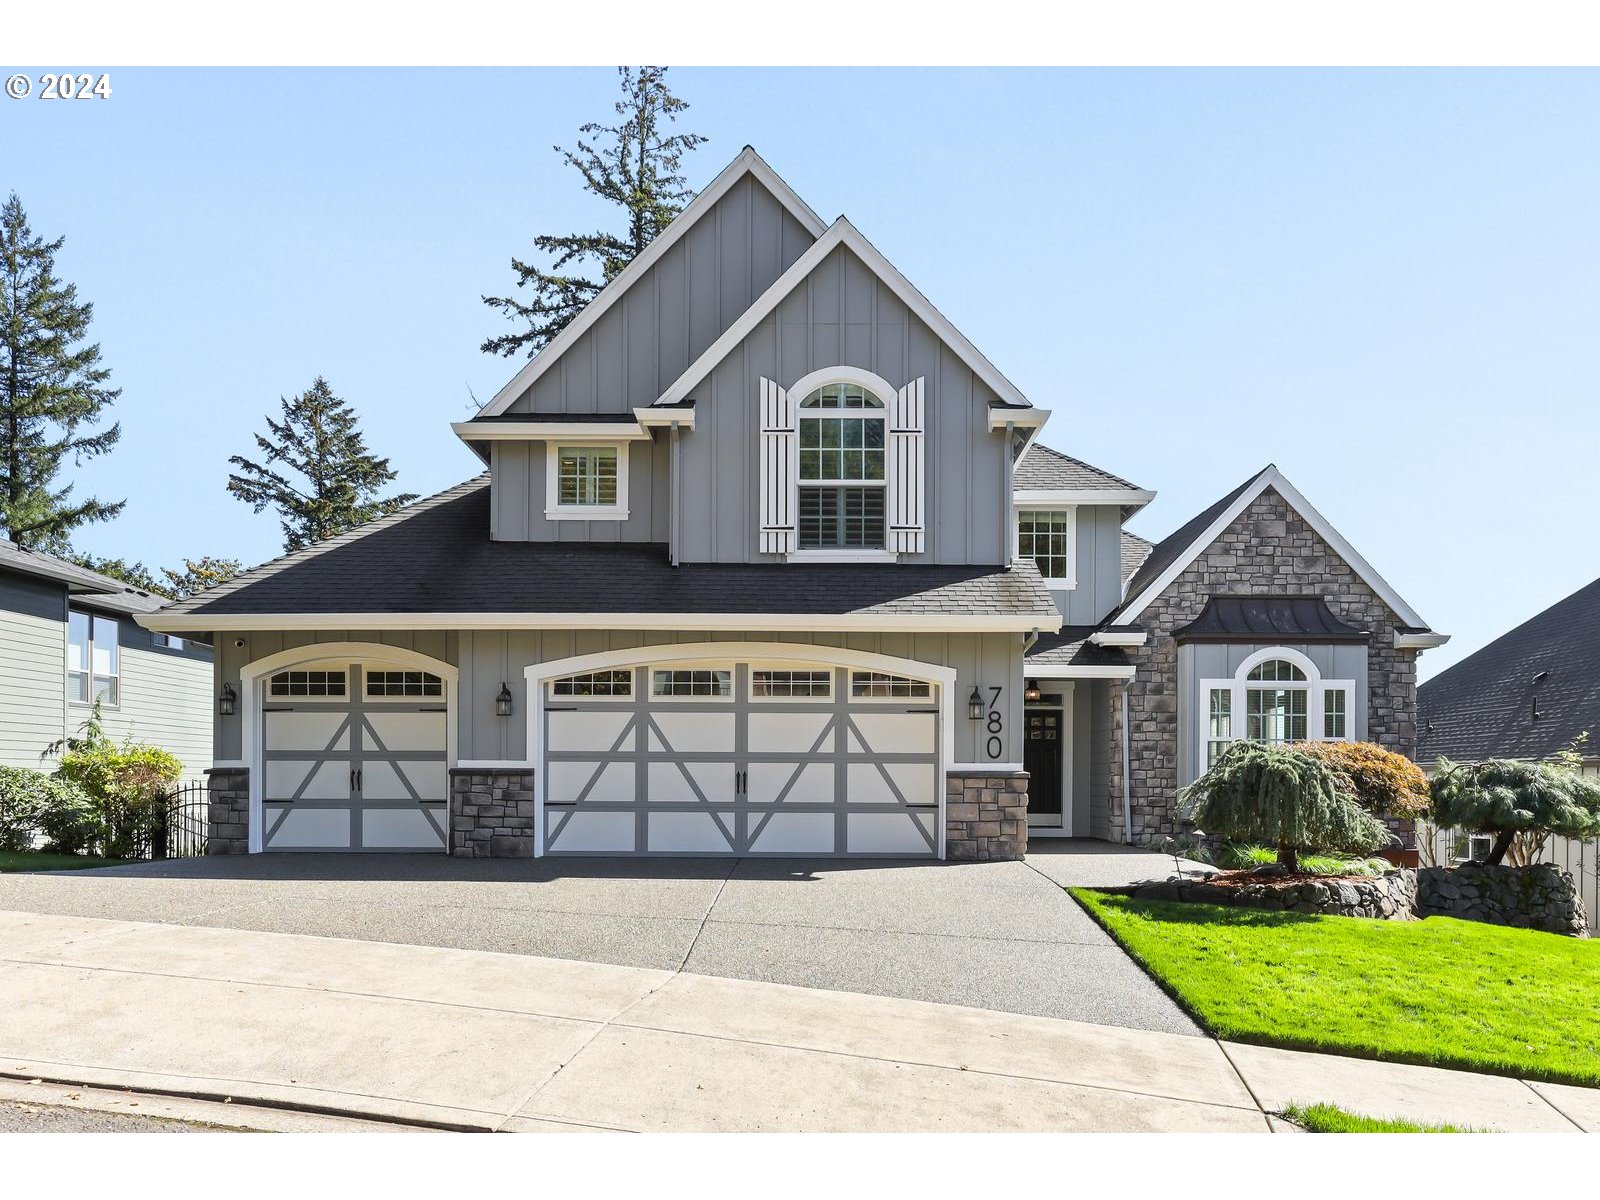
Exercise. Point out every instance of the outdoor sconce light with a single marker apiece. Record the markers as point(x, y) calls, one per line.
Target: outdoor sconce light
point(975, 705)
point(502, 702)
point(1032, 693)
point(225, 702)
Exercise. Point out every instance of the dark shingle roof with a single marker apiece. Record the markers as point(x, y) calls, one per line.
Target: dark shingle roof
point(435, 556)
point(1071, 647)
point(1181, 540)
point(94, 589)
point(1277, 618)
point(1135, 550)
point(1045, 470)
point(1483, 706)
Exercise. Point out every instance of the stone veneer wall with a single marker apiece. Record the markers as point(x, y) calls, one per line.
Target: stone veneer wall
point(986, 816)
point(1541, 896)
point(491, 814)
point(1269, 549)
point(228, 810)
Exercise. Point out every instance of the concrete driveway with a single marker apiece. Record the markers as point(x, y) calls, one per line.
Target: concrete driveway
point(1000, 936)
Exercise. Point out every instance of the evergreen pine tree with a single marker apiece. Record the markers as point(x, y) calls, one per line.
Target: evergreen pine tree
point(52, 390)
point(636, 167)
point(199, 574)
point(315, 471)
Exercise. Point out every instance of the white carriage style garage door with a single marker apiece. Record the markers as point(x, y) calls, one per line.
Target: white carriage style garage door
point(741, 758)
point(354, 758)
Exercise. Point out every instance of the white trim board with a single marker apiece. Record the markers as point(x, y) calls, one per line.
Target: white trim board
point(674, 622)
point(1271, 478)
point(747, 163)
point(1057, 671)
point(1038, 497)
point(842, 233)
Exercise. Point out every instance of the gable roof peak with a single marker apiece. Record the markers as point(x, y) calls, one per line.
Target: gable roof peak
point(746, 162)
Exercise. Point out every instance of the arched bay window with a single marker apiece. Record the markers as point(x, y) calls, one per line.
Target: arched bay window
point(1276, 695)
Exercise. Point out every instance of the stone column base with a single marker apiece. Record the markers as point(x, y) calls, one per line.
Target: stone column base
point(986, 816)
point(228, 810)
point(491, 814)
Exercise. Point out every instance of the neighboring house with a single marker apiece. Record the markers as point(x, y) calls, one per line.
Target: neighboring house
point(1532, 694)
point(67, 637)
point(766, 561)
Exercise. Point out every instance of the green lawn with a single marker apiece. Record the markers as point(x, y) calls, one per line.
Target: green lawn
point(33, 860)
point(1330, 1118)
point(1443, 992)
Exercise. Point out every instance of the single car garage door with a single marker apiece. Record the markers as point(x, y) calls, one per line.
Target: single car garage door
point(743, 758)
point(354, 759)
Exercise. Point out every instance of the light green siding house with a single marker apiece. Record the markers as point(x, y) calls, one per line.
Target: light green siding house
point(68, 637)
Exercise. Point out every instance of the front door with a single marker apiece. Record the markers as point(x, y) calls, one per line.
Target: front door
point(354, 759)
point(1041, 758)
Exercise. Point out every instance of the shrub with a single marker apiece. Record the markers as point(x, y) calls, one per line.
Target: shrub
point(124, 784)
point(32, 803)
point(1259, 792)
point(1508, 798)
point(1386, 784)
point(1237, 856)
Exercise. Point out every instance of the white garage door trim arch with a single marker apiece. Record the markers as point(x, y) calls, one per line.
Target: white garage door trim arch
point(537, 675)
point(251, 677)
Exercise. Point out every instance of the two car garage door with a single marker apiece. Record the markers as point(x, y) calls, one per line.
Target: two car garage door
point(742, 758)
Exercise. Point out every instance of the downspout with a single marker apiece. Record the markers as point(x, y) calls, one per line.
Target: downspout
point(1008, 500)
point(1030, 640)
point(1127, 765)
point(677, 485)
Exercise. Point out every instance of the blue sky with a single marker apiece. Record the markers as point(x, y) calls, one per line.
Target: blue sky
point(1383, 281)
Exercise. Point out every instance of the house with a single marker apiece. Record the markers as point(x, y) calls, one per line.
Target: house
point(68, 637)
point(1531, 693)
point(767, 559)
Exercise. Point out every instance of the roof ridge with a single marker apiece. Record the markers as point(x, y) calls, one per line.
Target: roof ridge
point(291, 557)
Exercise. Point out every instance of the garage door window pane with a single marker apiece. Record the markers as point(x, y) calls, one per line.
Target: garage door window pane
point(875, 685)
point(307, 683)
point(813, 685)
point(692, 683)
point(404, 683)
point(595, 683)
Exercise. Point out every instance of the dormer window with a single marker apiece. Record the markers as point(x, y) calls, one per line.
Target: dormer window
point(586, 481)
point(841, 469)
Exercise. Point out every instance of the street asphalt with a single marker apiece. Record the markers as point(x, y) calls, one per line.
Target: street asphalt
point(1001, 936)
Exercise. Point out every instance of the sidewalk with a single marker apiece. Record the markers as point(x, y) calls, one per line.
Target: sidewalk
point(475, 1040)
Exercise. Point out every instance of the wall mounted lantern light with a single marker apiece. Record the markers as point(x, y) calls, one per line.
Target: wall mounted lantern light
point(227, 700)
point(1032, 694)
point(502, 702)
point(975, 705)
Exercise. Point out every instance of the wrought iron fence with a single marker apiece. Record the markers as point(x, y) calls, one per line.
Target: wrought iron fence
point(179, 827)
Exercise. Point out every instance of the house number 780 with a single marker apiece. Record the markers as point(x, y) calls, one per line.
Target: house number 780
point(995, 725)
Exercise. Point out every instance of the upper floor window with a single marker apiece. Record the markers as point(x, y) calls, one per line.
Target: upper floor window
point(1275, 696)
point(93, 659)
point(1046, 536)
point(841, 469)
point(587, 482)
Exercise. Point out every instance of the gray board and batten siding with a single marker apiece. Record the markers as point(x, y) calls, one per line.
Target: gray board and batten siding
point(489, 658)
point(702, 284)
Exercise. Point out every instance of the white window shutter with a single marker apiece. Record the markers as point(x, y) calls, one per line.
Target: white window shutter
point(778, 464)
point(905, 476)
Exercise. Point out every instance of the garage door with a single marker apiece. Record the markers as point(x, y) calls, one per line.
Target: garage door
point(354, 759)
point(741, 758)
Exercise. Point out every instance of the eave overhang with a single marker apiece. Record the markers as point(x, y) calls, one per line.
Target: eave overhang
point(696, 621)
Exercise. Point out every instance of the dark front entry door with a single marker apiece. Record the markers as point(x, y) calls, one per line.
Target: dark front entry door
point(1041, 758)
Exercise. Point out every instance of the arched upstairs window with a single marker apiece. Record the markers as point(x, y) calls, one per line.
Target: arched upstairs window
point(841, 486)
point(1276, 695)
point(841, 466)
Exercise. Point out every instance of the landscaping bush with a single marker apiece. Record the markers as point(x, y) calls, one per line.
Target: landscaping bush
point(34, 804)
point(1385, 783)
point(1509, 799)
point(1238, 856)
point(124, 784)
point(1259, 792)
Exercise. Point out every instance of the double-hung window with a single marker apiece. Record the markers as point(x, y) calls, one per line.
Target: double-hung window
point(586, 482)
point(841, 492)
point(93, 659)
point(1046, 536)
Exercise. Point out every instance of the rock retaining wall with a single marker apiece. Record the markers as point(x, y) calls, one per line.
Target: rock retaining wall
point(1389, 897)
point(1541, 896)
